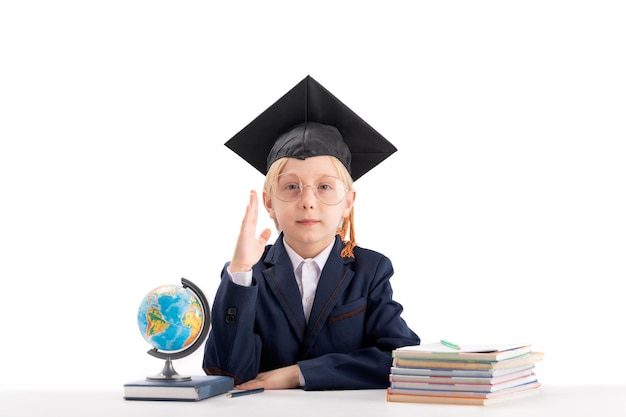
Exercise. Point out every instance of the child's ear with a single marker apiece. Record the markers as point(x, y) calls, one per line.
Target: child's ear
point(267, 202)
point(350, 197)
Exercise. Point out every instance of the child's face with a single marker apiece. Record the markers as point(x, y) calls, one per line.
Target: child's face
point(308, 224)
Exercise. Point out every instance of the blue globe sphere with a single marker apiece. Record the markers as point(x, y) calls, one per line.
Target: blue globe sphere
point(170, 318)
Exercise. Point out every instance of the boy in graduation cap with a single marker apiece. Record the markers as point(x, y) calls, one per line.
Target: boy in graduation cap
point(313, 310)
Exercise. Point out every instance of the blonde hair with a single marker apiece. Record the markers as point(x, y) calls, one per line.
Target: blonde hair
point(347, 224)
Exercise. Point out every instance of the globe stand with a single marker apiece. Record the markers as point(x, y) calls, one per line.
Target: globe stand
point(168, 373)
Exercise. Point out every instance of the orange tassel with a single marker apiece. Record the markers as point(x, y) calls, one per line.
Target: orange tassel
point(348, 223)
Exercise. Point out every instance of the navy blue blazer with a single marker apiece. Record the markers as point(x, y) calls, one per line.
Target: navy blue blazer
point(353, 327)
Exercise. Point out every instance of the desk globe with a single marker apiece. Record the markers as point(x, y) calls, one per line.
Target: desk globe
point(175, 321)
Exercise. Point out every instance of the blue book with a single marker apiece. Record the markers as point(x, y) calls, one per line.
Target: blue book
point(199, 388)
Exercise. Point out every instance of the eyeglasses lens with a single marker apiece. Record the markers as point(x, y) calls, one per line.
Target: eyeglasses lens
point(329, 190)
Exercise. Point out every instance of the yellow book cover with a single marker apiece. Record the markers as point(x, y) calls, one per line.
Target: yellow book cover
point(525, 359)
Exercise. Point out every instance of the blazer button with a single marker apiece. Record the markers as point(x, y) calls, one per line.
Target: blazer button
point(230, 319)
point(232, 311)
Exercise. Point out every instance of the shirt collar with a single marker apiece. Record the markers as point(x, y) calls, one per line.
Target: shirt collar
point(320, 259)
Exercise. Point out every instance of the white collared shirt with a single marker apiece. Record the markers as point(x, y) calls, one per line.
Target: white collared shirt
point(308, 272)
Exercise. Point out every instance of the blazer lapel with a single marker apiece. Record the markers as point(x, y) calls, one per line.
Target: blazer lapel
point(282, 282)
point(334, 279)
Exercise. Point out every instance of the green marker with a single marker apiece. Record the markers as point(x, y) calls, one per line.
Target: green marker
point(450, 344)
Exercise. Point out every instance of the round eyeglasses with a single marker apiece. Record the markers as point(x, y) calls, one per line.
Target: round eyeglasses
point(328, 190)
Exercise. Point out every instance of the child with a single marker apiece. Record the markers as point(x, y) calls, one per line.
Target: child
point(311, 310)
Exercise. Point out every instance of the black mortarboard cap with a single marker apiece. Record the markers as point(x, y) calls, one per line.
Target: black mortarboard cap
point(294, 127)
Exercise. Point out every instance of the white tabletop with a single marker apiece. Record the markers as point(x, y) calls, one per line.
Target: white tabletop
point(553, 401)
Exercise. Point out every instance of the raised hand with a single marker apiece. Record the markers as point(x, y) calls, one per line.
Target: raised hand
point(249, 247)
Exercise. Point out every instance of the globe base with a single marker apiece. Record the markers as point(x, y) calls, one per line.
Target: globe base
point(168, 373)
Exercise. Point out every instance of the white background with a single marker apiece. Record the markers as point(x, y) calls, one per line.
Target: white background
point(502, 211)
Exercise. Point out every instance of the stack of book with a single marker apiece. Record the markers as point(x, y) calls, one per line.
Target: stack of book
point(470, 374)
